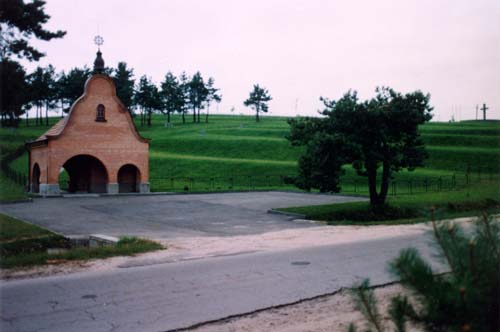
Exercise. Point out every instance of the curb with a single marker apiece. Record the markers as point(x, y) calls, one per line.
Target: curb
point(17, 201)
point(284, 213)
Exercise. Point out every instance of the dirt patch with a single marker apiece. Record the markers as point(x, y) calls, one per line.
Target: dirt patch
point(189, 248)
point(325, 314)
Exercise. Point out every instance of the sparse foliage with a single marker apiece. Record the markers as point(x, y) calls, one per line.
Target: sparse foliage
point(466, 299)
point(14, 95)
point(19, 22)
point(124, 82)
point(378, 134)
point(258, 99)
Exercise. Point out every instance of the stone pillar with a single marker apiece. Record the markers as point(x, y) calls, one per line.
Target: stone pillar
point(50, 189)
point(144, 187)
point(113, 188)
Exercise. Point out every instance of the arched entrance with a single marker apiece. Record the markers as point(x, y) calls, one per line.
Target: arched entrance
point(35, 179)
point(86, 175)
point(128, 179)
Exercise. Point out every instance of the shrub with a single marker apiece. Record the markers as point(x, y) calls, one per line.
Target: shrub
point(465, 299)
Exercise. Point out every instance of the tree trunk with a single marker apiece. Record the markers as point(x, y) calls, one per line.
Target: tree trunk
point(257, 114)
point(194, 114)
point(386, 173)
point(378, 199)
point(27, 119)
point(183, 116)
point(372, 184)
point(47, 114)
point(208, 110)
point(150, 112)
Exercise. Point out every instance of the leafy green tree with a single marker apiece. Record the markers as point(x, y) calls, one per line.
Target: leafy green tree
point(197, 95)
point(184, 101)
point(212, 95)
point(20, 22)
point(465, 299)
point(42, 92)
point(14, 95)
point(147, 97)
point(258, 99)
point(124, 82)
point(172, 95)
point(70, 86)
point(377, 137)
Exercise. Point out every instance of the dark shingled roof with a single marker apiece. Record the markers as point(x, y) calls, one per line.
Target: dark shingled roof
point(55, 130)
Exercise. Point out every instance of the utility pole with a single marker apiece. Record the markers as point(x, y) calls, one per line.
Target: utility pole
point(484, 108)
point(477, 109)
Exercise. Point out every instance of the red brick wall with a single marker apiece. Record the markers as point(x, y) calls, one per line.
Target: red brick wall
point(114, 142)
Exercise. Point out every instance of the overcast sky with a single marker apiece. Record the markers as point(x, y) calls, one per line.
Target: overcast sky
point(299, 50)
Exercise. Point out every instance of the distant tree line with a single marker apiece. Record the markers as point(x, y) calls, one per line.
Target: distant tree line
point(46, 90)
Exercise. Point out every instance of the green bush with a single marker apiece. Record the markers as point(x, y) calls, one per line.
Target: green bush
point(465, 299)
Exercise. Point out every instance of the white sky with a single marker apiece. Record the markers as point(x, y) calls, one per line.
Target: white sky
point(299, 50)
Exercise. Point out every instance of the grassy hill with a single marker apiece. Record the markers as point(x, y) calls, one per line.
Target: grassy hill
point(235, 152)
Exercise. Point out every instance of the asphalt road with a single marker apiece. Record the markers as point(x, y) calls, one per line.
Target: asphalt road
point(168, 296)
point(168, 216)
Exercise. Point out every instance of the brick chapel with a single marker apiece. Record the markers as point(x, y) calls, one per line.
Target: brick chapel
point(97, 144)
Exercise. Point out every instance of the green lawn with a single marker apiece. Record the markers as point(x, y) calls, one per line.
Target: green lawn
point(23, 244)
point(470, 201)
point(10, 191)
point(236, 153)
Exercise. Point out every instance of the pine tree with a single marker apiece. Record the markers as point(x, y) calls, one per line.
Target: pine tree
point(465, 299)
point(258, 99)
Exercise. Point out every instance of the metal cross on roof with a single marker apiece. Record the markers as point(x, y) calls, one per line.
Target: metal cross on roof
point(98, 40)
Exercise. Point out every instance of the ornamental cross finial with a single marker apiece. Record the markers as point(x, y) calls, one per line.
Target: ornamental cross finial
point(98, 40)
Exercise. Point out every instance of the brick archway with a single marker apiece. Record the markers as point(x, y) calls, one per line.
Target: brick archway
point(87, 174)
point(129, 178)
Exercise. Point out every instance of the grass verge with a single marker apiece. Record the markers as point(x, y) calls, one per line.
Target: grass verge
point(409, 208)
point(23, 244)
point(10, 191)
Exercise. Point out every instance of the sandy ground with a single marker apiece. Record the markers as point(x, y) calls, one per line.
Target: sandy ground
point(189, 248)
point(330, 313)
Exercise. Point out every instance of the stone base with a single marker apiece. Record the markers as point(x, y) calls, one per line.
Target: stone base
point(113, 188)
point(144, 187)
point(50, 189)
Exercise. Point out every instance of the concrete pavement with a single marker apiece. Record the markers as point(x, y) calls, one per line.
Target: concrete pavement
point(163, 297)
point(168, 216)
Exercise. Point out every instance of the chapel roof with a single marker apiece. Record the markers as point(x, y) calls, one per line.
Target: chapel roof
point(55, 130)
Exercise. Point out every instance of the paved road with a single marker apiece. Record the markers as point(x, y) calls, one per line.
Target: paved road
point(168, 296)
point(167, 216)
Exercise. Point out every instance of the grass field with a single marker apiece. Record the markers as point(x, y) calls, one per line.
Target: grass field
point(235, 152)
point(23, 244)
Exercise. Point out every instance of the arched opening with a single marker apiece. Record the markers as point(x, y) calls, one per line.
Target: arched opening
point(128, 179)
point(86, 175)
point(35, 179)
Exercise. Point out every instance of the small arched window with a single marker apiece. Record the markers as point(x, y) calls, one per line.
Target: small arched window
point(101, 113)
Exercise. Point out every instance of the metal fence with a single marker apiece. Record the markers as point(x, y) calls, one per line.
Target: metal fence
point(349, 185)
point(19, 178)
